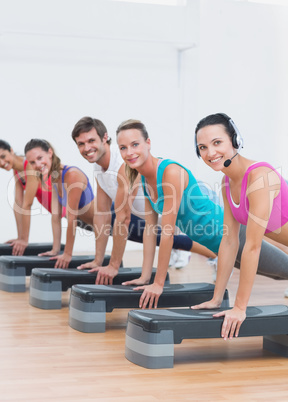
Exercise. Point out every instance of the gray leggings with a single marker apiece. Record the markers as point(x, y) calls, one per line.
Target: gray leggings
point(273, 262)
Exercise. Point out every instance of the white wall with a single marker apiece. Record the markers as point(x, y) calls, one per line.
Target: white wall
point(242, 67)
point(62, 60)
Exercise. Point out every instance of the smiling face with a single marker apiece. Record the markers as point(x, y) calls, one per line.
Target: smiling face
point(215, 146)
point(40, 160)
point(133, 147)
point(90, 145)
point(6, 159)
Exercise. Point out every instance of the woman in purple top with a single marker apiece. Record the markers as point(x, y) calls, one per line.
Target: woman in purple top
point(255, 195)
point(70, 189)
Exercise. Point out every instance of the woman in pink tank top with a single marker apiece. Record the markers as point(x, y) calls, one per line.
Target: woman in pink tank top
point(255, 195)
point(27, 187)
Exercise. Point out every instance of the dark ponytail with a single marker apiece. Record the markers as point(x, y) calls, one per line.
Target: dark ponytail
point(45, 146)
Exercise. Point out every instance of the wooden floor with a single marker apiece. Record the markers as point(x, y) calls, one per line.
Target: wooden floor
point(43, 359)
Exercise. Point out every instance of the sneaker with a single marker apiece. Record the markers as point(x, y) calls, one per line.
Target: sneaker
point(183, 258)
point(173, 257)
point(213, 263)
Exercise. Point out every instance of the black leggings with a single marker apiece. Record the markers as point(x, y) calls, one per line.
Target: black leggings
point(136, 229)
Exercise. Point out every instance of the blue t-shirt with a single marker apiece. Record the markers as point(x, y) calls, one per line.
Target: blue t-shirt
point(198, 217)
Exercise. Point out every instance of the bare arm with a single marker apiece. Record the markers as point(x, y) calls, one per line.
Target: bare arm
point(226, 256)
point(17, 207)
point(75, 182)
point(56, 208)
point(103, 224)
point(102, 227)
point(149, 241)
point(120, 230)
point(23, 211)
point(175, 179)
point(56, 214)
point(259, 213)
point(149, 247)
point(122, 220)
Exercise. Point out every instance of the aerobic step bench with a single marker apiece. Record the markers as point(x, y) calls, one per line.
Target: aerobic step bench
point(47, 285)
point(13, 270)
point(151, 334)
point(89, 304)
point(31, 249)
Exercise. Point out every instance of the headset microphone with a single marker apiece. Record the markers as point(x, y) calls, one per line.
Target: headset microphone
point(228, 161)
point(236, 138)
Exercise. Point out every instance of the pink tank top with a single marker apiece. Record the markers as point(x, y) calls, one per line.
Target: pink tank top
point(279, 212)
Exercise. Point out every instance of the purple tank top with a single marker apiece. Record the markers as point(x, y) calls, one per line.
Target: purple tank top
point(279, 212)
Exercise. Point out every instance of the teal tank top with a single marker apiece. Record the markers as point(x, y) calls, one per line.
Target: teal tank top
point(198, 217)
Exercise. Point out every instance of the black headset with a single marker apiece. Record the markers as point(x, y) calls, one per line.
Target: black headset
point(237, 140)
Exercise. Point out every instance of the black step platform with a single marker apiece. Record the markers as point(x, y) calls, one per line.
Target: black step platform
point(89, 304)
point(31, 249)
point(47, 284)
point(151, 334)
point(13, 270)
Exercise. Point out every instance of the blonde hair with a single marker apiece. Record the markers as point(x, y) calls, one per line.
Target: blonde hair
point(127, 125)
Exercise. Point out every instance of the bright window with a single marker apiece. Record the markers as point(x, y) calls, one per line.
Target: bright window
point(158, 2)
point(271, 2)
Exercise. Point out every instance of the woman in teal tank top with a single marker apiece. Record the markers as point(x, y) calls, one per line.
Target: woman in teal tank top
point(198, 217)
point(172, 191)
